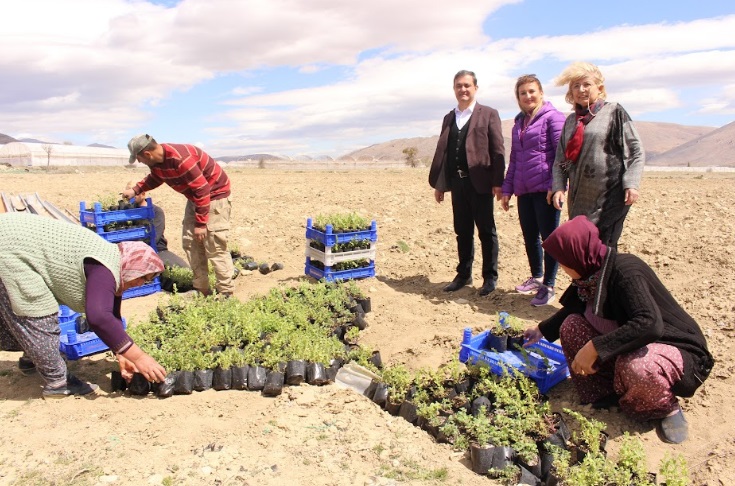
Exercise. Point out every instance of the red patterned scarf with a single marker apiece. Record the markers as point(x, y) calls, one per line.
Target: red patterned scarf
point(574, 144)
point(138, 259)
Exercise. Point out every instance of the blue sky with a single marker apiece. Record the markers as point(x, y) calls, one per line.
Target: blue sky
point(325, 77)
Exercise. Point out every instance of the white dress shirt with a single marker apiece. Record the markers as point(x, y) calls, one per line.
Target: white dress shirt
point(462, 116)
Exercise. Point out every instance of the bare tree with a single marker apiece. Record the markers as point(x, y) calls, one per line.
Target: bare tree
point(410, 153)
point(48, 148)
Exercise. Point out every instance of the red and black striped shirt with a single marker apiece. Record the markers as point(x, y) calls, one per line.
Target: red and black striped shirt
point(192, 172)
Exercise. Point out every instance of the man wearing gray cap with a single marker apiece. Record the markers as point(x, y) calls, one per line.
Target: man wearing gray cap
point(206, 225)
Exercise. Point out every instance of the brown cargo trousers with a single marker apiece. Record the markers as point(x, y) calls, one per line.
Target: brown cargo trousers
point(213, 249)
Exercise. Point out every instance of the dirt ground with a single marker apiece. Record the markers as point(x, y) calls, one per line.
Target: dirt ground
point(683, 226)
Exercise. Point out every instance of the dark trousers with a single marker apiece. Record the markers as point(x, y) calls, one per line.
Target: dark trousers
point(538, 219)
point(471, 209)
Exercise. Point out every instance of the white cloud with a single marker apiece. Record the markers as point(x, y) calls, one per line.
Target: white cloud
point(110, 66)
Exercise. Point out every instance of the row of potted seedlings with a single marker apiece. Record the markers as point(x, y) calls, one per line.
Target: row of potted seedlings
point(289, 336)
point(304, 335)
point(508, 428)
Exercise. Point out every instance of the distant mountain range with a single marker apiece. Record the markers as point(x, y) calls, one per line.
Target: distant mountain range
point(666, 144)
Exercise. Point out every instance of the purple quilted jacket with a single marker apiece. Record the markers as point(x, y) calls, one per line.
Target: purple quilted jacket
point(532, 155)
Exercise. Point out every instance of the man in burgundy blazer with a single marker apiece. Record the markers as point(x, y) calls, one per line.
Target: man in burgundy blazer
point(470, 163)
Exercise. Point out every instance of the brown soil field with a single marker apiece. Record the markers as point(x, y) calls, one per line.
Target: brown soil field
point(683, 226)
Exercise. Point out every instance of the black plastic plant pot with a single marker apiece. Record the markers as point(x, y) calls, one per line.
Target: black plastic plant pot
point(184, 383)
point(365, 304)
point(203, 380)
point(256, 378)
point(339, 332)
point(273, 383)
point(481, 457)
point(552, 480)
point(528, 477)
point(360, 322)
point(408, 412)
point(357, 309)
point(499, 344)
point(478, 403)
point(463, 386)
point(316, 374)
point(533, 466)
point(376, 360)
point(515, 343)
point(117, 382)
point(295, 372)
point(332, 370)
point(425, 424)
point(503, 457)
point(239, 377)
point(391, 407)
point(139, 385)
point(222, 378)
point(217, 349)
point(381, 394)
point(251, 266)
point(165, 389)
point(370, 390)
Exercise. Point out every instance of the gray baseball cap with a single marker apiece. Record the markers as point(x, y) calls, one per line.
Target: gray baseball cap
point(137, 144)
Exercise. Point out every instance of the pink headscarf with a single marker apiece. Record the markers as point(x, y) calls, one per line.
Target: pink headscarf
point(576, 244)
point(137, 259)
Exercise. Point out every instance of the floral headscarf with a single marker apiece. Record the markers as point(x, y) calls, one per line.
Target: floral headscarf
point(137, 259)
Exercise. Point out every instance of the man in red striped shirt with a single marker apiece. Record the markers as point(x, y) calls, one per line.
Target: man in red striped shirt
point(196, 175)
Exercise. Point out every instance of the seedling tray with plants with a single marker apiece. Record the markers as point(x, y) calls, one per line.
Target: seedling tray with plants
point(332, 273)
point(330, 236)
point(123, 222)
point(76, 345)
point(329, 256)
point(543, 361)
point(98, 216)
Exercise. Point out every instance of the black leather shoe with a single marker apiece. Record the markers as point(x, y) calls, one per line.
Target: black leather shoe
point(457, 283)
point(487, 287)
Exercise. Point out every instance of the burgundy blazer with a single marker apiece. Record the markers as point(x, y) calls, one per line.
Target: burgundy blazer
point(485, 151)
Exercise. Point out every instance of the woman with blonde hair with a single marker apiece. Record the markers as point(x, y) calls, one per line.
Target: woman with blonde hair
point(599, 157)
point(534, 139)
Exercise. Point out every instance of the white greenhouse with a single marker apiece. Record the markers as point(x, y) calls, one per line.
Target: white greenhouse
point(42, 154)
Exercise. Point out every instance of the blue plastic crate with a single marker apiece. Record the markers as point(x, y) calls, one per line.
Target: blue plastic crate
point(328, 238)
point(146, 289)
point(330, 275)
point(67, 319)
point(544, 362)
point(146, 232)
point(99, 218)
point(75, 346)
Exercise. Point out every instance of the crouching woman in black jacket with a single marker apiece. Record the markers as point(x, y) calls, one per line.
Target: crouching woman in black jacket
point(627, 340)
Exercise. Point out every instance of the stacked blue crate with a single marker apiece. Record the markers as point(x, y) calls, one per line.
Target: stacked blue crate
point(97, 219)
point(328, 238)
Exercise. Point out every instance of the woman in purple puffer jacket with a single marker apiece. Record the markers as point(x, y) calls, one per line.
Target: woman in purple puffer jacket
point(535, 136)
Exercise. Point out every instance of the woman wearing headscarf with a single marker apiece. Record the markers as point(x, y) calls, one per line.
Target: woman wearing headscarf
point(534, 138)
point(599, 156)
point(44, 263)
point(625, 337)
